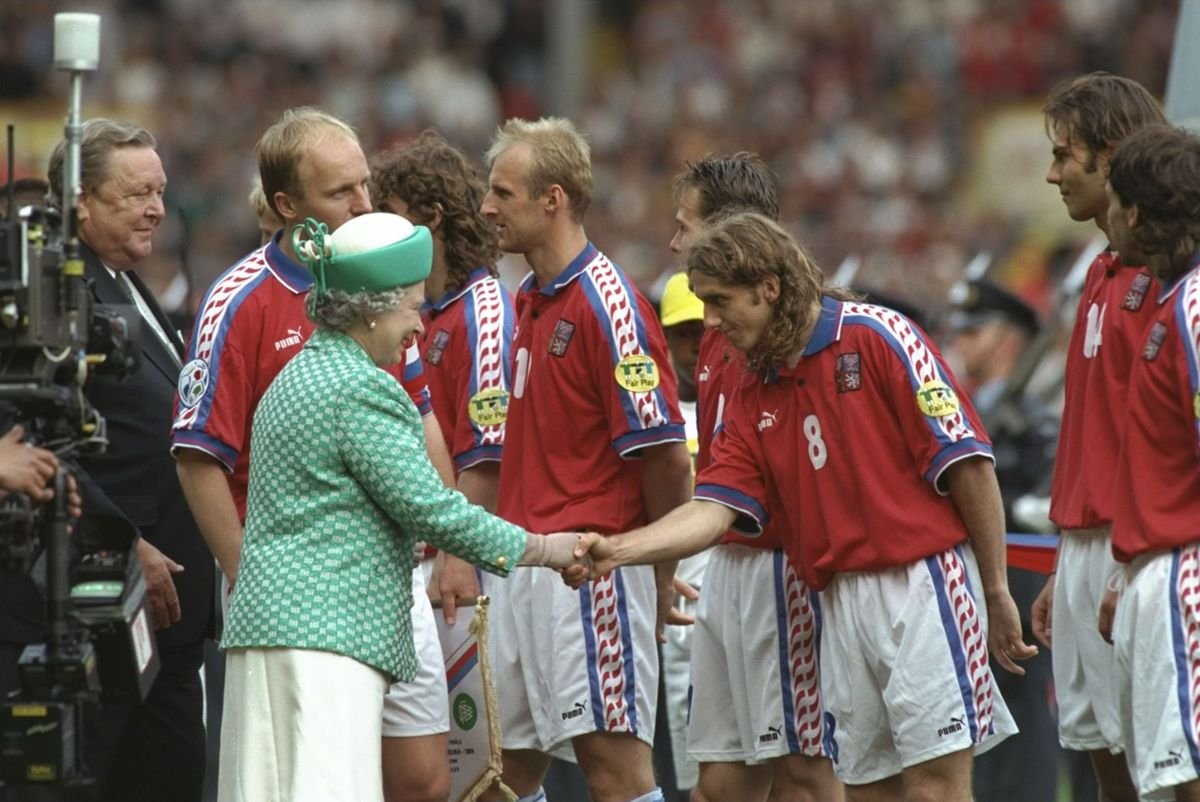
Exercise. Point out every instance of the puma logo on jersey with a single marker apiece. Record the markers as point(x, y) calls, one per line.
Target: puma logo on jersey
point(767, 420)
point(772, 735)
point(1093, 336)
point(575, 712)
point(293, 338)
point(1174, 759)
point(703, 375)
point(955, 725)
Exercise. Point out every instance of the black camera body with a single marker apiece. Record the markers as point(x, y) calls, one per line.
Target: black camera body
point(114, 661)
point(100, 644)
point(52, 332)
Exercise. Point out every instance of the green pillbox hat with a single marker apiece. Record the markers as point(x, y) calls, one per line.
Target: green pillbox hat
point(375, 252)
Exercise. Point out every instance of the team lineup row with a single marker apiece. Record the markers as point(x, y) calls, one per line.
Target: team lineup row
point(856, 582)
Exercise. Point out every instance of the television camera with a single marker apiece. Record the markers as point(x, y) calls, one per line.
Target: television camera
point(99, 644)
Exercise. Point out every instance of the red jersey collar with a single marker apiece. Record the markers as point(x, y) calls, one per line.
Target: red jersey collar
point(474, 277)
point(1169, 289)
point(288, 271)
point(1114, 260)
point(827, 332)
point(571, 272)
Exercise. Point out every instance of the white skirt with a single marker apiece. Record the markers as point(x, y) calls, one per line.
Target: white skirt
point(300, 725)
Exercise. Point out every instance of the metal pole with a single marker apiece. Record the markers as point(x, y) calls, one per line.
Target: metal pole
point(569, 27)
point(1182, 103)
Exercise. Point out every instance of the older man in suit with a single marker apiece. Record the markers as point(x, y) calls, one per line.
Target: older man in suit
point(153, 750)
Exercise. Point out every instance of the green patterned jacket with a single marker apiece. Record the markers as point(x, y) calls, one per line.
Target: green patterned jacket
point(340, 490)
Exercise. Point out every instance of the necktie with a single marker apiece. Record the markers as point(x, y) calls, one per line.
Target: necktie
point(147, 315)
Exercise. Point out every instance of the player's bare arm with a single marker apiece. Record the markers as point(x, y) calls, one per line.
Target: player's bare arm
point(452, 578)
point(1108, 610)
point(435, 447)
point(480, 484)
point(688, 592)
point(684, 531)
point(976, 495)
point(208, 495)
point(666, 484)
point(1042, 614)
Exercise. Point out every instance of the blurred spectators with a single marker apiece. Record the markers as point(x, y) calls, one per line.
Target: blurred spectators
point(876, 114)
point(905, 133)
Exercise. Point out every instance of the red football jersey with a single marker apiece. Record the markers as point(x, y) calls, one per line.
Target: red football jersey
point(467, 350)
point(590, 389)
point(720, 369)
point(251, 322)
point(855, 438)
point(1112, 316)
point(1157, 497)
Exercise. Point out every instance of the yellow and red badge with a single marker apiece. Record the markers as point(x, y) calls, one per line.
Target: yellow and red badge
point(637, 373)
point(937, 399)
point(489, 407)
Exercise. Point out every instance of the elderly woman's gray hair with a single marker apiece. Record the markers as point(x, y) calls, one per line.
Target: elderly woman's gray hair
point(339, 310)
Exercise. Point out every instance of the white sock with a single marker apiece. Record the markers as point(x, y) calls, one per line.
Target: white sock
point(654, 796)
point(538, 796)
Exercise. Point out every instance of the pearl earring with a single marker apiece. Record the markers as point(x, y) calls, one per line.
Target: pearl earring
point(370, 324)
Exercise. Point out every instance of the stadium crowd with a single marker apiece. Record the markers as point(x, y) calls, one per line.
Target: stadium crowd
point(906, 138)
point(873, 114)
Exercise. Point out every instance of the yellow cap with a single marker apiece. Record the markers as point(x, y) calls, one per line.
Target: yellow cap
point(679, 304)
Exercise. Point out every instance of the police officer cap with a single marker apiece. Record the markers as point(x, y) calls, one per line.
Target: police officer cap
point(985, 301)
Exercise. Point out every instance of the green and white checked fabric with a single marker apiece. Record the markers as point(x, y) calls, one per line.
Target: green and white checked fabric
point(340, 490)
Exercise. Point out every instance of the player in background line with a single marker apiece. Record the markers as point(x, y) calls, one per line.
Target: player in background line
point(268, 221)
point(682, 316)
point(1086, 119)
point(852, 430)
point(251, 323)
point(1153, 198)
point(763, 677)
point(467, 343)
point(594, 442)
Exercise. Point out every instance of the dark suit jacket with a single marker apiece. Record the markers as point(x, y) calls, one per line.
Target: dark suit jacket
point(134, 481)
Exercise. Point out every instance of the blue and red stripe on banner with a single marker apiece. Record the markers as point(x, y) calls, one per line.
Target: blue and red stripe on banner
point(1032, 552)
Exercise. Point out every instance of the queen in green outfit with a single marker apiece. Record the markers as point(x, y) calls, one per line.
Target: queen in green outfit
point(340, 490)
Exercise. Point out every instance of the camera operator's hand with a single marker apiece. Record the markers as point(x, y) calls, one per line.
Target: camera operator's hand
point(24, 468)
point(160, 588)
